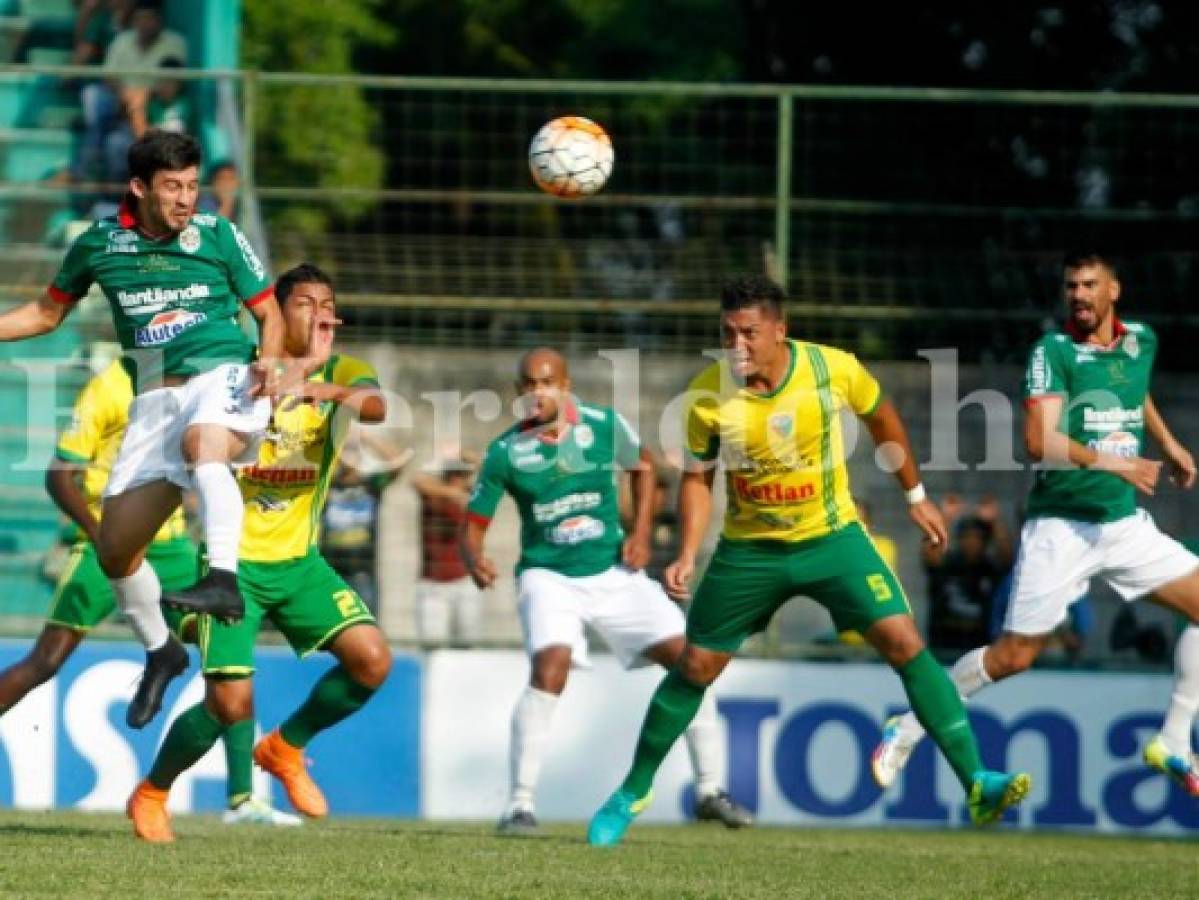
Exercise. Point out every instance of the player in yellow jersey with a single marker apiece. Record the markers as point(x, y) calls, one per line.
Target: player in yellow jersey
point(83, 597)
point(75, 480)
point(770, 412)
point(281, 573)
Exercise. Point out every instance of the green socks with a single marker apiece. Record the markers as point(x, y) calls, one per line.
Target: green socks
point(938, 707)
point(671, 710)
point(239, 760)
point(190, 737)
point(333, 698)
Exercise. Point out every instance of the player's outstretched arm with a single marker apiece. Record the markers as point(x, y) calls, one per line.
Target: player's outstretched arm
point(32, 319)
point(63, 488)
point(470, 544)
point(636, 550)
point(891, 438)
point(1046, 442)
point(695, 509)
point(1182, 464)
point(273, 375)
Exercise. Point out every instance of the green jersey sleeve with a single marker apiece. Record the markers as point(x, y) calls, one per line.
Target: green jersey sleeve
point(1046, 374)
point(492, 482)
point(247, 274)
point(74, 277)
point(626, 445)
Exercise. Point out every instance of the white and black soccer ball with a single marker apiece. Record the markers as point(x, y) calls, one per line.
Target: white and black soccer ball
point(571, 157)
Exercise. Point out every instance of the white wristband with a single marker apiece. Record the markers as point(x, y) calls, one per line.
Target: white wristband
point(916, 495)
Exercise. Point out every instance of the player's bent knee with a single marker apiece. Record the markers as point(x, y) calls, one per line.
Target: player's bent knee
point(701, 667)
point(372, 664)
point(230, 701)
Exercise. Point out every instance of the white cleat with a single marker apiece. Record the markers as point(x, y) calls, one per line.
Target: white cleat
point(891, 755)
point(259, 812)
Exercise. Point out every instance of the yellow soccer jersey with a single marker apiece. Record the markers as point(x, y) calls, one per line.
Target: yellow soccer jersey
point(285, 490)
point(783, 452)
point(100, 416)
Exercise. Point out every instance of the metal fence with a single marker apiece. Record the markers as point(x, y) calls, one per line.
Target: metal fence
point(899, 219)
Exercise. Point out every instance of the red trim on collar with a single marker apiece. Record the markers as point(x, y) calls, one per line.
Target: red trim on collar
point(259, 297)
point(1118, 331)
point(478, 519)
point(569, 412)
point(126, 217)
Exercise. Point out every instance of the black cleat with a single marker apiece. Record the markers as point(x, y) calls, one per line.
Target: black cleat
point(216, 594)
point(162, 665)
point(518, 823)
point(721, 807)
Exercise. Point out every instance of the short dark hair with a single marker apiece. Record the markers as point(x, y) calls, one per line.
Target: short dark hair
point(1078, 257)
point(163, 151)
point(304, 273)
point(748, 291)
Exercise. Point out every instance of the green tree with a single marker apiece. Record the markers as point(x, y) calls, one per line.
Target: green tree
point(323, 136)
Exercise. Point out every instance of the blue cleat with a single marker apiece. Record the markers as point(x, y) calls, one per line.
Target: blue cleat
point(1181, 768)
point(608, 826)
point(993, 792)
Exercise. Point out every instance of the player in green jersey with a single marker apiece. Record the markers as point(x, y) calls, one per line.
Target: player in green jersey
point(1087, 411)
point(283, 575)
point(577, 567)
point(175, 281)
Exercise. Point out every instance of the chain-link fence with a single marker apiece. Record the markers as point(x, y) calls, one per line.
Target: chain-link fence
point(899, 219)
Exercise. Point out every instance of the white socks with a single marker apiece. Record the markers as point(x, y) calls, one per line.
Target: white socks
point(1184, 701)
point(138, 596)
point(530, 733)
point(704, 747)
point(969, 676)
point(221, 512)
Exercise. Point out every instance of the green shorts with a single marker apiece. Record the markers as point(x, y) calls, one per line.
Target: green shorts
point(83, 597)
point(747, 581)
point(307, 601)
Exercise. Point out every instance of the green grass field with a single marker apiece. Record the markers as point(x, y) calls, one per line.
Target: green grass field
point(96, 855)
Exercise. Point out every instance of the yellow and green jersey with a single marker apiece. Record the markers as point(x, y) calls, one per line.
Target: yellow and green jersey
point(93, 439)
point(783, 452)
point(286, 488)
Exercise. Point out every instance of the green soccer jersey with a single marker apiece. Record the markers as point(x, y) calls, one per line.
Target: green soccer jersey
point(565, 491)
point(174, 301)
point(1104, 391)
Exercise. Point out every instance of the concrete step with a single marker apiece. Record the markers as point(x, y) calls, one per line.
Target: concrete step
point(33, 154)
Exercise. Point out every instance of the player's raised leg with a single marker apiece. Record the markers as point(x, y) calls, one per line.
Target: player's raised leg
point(1170, 751)
point(364, 661)
point(128, 523)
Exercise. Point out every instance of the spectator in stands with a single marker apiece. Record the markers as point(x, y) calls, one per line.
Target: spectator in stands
point(350, 528)
point(97, 23)
point(145, 45)
point(221, 195)
point(449, 608)
point(963, 578)
point(163, 106)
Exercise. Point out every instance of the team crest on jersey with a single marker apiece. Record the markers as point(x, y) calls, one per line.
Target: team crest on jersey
point(189, 239)
point(782, 424)
point(584, 436)
point(1131, 345)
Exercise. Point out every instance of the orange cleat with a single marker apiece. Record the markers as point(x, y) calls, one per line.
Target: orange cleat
point(147, 807)
point(286, 763)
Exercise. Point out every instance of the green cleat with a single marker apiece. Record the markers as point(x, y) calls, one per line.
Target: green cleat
point(608, 826)
point(993, 792)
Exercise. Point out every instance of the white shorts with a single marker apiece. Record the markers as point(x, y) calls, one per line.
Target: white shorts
point(1059, 557)
point(629, 609)
point(152, 449)
point(449, 611)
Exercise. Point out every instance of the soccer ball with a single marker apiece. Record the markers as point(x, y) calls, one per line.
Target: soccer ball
point(571, 157)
